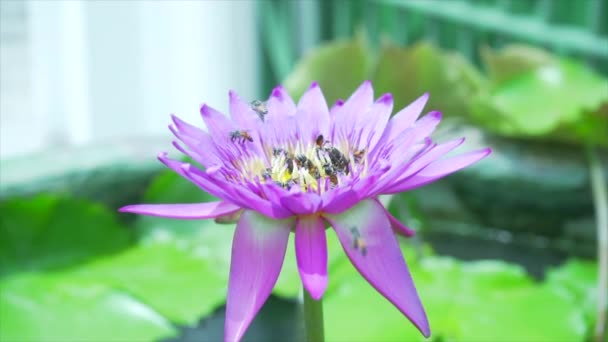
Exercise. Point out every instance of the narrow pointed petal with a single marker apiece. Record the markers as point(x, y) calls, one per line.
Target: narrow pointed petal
point(353, 109)
point(313, 114)
point(189, 211)
point(369, 242)
point(311, 254)
point(438, 169)
point(406, 117)
point(185, 170)
point(241, 111)
point(399, 227)
point(280, 121)
point(218, 124)
point(372, 124)
point(427, 158)
point(258, 250)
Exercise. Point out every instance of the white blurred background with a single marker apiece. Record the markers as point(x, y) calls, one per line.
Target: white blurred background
point(73, 72)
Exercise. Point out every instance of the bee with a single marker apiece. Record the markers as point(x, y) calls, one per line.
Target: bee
point(277, 151)
point(303, 162)
point(329, 169)
point(333, 178)
point(289, 164)
point(339, 161)
point(240, 136)
point(320, 141)
point(285, 185)
point(267, 174)
point(358, 155)
point(260, 108)
point(358, 242)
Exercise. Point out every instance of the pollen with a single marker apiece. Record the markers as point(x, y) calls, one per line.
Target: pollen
point(313, 166)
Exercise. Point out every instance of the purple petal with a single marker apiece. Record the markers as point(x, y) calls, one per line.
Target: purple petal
point(372, 124)
point(399, 227)
point(183, 211)
point(201, 145)
point(406, 117)
point(429, 157)
point(218, 124)
point(281, 122)
point(301, 203)
point(181, 168)
point(437, 170)
point(236, 194)
point(339, 200)
point(258, 250)
point(311, 254)
point(369, 242)
point(312, 114)
point(241, 111)
point(353, 109)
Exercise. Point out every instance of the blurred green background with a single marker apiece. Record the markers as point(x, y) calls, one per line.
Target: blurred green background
point(505, 251)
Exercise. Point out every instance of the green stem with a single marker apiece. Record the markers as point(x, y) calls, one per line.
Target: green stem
point(600, 200)
point(313, 318)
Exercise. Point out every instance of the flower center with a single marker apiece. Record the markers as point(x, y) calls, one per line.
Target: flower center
point(316, 166)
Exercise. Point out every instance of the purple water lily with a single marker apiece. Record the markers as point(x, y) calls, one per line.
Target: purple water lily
point(279, 167)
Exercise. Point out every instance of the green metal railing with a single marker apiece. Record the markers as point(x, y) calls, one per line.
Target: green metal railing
point(576, 28)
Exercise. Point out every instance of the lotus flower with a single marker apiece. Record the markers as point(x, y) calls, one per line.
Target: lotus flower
point(279, 168)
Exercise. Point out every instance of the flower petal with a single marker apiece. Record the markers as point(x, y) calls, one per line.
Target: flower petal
point(311, 254)
point(406, 117)
point(372, 124)
point(347, 115)
point(280, 121)
point(339, 200)
point(437, 170)
point(313, 114)
point(301, 203)
point(183, 211)
point(241, 111)
point(426, 158)
point(218, 124)
point(258, 250)
point(369, 242)
point(399, 227)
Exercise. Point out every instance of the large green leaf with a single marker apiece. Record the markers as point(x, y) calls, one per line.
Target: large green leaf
point(579, 279)
point(51, 232)
point(409, 72)
point(339, 67)
point(513, 60)
point(181, 283)
point(465, 301)
point(559, 100)
point(59, 307)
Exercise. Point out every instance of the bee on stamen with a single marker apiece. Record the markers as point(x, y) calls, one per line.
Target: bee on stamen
point(285, 185)
point(339, 161)
point(333, 178)
point(289, 164)
point(303, 162)
point(260, 108)
point(320, 141)
point(358, 155)
point(240, 136)
point(358, 242)
point(277, 151)
point(267, 174)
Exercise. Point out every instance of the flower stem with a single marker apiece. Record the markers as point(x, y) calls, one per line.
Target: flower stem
point(313, 318)
point(600, 200)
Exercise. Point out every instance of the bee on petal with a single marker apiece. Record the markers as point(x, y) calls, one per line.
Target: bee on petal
point(260, 108)
point(240, 136)
point(358, 242)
